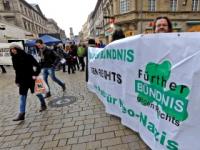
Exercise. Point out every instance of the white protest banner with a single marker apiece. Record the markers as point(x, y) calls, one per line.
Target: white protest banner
point(5, 58)
point(152, 82)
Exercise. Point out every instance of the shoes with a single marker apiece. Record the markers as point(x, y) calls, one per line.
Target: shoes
point(48, 94)
point(43, 108)
point(3, 71)
point(64, 87)
point(20, 117)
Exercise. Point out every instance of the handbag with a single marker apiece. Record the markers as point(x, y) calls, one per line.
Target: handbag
point(63, 61)
point(40, 86)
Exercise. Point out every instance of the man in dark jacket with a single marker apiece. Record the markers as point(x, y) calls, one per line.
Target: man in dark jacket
point(49, 60)
point(26, 70)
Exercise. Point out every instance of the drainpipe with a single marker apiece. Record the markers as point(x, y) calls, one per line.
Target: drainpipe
point(141, 17)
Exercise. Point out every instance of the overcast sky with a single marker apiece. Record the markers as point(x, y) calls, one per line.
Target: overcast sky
point(67, 13)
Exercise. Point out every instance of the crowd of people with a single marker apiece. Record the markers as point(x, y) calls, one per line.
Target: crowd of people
point(49, 59)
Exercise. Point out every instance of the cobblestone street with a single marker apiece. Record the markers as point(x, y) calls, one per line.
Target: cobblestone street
point(82, 125)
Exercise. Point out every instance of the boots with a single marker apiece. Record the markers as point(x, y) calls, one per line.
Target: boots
point(64, 88)
point(48, 94)
point(43, 108)
point(20, 117)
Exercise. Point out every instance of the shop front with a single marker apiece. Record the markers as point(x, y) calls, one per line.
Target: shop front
point(193, 26)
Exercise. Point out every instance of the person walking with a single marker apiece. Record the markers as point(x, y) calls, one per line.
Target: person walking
point(62, 54)
point(49, 60)
point(26, 69)
point(162, 25)
point(3, 69)
point(69, 59)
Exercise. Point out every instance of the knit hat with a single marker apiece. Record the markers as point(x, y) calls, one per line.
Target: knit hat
point(16, 45)
point(60, 45)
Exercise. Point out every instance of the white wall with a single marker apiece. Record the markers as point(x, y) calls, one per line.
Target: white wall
point(13, 32)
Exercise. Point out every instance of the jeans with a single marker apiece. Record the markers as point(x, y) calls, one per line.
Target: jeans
point(81, 61)
point(22, 105)
point(51, 72)
point(22, 99)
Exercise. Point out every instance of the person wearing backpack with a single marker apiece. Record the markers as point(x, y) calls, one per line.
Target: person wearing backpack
point(81, 54)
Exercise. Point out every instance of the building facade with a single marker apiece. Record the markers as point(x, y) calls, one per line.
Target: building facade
point(84, 34)
point(27, 17)
point(137, 16)
point(52, 26)
point(9, 32)
point(23, 15)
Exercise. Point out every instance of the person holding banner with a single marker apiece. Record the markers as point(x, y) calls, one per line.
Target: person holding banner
point(118, 34)
point(26, 69)
point(162, 25)
point(3, 69)
point(91, 43)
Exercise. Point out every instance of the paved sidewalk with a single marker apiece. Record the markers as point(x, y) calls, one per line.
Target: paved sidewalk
point(82, 125)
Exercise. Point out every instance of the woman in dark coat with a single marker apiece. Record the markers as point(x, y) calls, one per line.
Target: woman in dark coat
point(26, 69)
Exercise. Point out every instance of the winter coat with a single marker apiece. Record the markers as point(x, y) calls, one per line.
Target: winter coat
point(61, 53)
point(49, 59)
point(25, 67)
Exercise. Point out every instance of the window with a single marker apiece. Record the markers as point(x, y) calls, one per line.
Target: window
point(124, 6)
point(21, 7)
point(195, 5)
point(25, 25)
point(152, 5)
point(6, 4)
point(25, 10)
point(173, 5)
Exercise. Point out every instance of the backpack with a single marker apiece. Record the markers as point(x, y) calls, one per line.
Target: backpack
point(81, 52)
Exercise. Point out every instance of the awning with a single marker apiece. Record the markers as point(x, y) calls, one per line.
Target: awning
point(193, 22)
point(195, 28)
point(47, 39)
